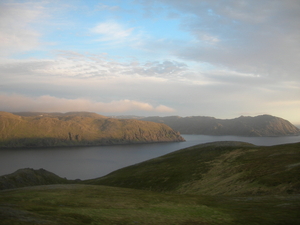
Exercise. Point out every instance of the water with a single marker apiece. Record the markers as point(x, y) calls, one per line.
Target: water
point(91, 162)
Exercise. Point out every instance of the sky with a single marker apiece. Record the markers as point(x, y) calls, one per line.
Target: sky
point(219, 58)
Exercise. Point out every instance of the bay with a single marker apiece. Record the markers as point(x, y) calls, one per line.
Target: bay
point(92, 162)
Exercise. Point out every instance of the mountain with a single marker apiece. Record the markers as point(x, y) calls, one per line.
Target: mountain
point(263, 125)
point(78, 129)
point(219, 168)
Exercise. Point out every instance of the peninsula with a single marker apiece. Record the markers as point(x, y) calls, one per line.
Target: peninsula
point(78, 129)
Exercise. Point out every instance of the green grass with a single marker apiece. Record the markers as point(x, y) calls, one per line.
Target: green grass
point(92, 204)
point(221, 168)
point(81, 204)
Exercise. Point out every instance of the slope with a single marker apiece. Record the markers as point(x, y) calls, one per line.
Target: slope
point(220, 168)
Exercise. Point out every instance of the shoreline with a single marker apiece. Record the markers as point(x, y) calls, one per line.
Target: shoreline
point(92, 145)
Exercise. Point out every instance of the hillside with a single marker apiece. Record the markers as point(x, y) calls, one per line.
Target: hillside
point(263, 125)
point(216, 183)
point(76, 129)
point(30, 177)
point(220, 168)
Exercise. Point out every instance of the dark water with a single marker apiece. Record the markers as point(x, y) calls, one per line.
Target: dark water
point(92, 162)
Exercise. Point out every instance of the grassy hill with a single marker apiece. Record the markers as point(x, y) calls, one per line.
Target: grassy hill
point(78, 129)
point(263, 125)
point(230, 183)
point(220, 168)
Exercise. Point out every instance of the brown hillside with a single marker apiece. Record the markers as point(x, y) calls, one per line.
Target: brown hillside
point(78, 129)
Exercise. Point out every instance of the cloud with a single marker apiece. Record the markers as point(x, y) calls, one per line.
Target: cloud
point(216, 58)
point(73, 64)
point(166, 69)
point(76, 83)
point(17, 32)
point(164, 109)
point(111, 31)
point(259, 37)
point(18, 103)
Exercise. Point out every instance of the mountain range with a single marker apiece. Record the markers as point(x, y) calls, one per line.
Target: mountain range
point(262, 125)
point(34, 129)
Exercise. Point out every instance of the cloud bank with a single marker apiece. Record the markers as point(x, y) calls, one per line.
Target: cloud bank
point(17, 103)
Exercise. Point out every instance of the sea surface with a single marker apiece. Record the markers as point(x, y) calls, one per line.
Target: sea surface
point(92, 162)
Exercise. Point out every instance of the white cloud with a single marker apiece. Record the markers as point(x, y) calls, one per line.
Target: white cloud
point(164, 109)
point(72, 64)
point(18, 103)
point(111, 31)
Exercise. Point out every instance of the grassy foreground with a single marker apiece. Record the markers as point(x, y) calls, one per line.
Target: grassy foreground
point(93, 204)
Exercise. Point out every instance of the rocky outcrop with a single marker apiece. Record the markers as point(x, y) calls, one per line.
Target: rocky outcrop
point(263, 125)
point(79, 129)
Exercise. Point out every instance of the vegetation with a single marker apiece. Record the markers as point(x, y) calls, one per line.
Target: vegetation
point(263, 125)
point(75, 204)
point(230, 183)
point(75, 129)
point(220, 168)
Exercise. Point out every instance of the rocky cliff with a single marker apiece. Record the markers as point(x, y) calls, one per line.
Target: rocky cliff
point(77, 129)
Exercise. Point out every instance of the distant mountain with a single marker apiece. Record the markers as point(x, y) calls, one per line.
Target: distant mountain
point(218, 168)
point(78, 129)
point(263, 125)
